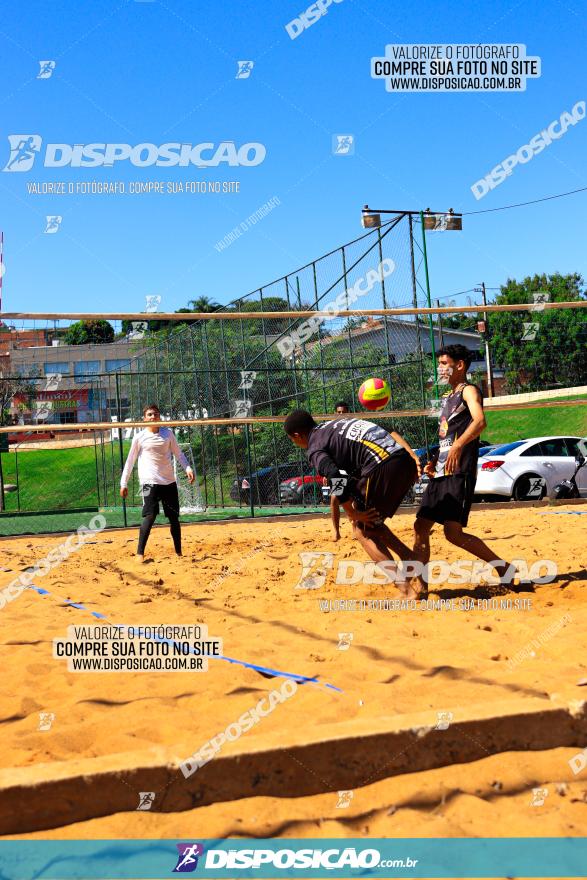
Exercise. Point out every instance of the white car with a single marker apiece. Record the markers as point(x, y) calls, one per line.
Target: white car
point(420, 485)
point(526, 470)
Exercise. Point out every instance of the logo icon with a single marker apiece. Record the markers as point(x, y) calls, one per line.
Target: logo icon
point(187, 860)
point(146, 800)
point(43, 410)
point(53, 381)
point(578, 762)
point(152, 303)
point(47, 68)
point(53, 223)
point(444, 719)
point(343, 144)
point(138, 329)
point(539, 795)
point(315, 567)
point(241, 409)
point(530, 331)
point(536, 487)
point(337, 485)
point(440, 225)
point(344, 799)
point(247, 379)
point(46, 719)
point(543, 296)
point(344, 641)
point(23, 151)
point(245, 69)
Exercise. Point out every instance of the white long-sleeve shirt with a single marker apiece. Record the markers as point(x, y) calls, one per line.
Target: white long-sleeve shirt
point(154, 452)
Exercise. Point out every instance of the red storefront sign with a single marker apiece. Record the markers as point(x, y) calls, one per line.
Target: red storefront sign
point(60, 400)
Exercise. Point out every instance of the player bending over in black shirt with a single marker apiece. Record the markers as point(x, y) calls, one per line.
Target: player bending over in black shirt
point(380, 468)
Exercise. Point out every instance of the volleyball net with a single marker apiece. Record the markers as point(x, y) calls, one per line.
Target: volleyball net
point(226, 382)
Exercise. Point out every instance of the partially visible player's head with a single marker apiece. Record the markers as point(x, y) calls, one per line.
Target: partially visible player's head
point(453, 363)
point(342, 407)
point(298, 426)
point(151, 413)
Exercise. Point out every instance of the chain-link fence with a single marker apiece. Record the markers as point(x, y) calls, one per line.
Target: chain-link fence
point(246, 367)
point(265, 367)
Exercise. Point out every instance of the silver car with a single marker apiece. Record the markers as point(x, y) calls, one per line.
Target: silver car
point(527, 470)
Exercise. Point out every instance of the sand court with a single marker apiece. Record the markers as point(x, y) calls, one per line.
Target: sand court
point(409, 710)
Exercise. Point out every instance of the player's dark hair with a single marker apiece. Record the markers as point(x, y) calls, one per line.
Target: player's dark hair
point(342, 403)
point(299, 421)
point(151, 406)
point(457, 352)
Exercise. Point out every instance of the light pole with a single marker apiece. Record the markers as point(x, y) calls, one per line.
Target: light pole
point(432, 220)
point(485, 333)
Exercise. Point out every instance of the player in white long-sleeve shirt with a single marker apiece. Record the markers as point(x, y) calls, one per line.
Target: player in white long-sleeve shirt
point(154, 448)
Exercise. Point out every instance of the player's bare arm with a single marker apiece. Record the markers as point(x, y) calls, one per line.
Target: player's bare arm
point(404, 443)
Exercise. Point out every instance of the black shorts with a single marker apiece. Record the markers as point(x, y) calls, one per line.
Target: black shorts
point(166, 494)
point(388, 484)
point(448, 499)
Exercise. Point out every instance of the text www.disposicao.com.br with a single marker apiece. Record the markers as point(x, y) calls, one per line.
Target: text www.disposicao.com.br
point(135, 664)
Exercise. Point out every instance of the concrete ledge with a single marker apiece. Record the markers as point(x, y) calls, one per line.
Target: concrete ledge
point(528, 397)
point(329, 759)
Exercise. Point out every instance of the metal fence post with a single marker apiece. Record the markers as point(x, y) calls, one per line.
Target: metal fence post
point(120, 447)
point(319, 335)
point(418, 337)
point(250, 469)
point(17, 477)
point(385, 317)
point(97, 472)
point(430, 323)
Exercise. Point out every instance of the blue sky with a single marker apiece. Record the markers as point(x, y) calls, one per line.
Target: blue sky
point(133, 72)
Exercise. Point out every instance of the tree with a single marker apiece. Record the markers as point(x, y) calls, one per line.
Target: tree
point(83, 332)
point(24, 387)
point(269, 326)
point(201, 304)
point(550, 351)
point(10, 388)
point(459, 321)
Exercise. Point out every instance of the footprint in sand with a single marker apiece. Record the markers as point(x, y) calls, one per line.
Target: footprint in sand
point(40, 669)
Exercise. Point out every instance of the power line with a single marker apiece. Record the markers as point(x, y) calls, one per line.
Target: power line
point(460, 293)
point(522, 204)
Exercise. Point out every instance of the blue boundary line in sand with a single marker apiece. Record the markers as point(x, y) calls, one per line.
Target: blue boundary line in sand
point(563, 513)
point(303, 679)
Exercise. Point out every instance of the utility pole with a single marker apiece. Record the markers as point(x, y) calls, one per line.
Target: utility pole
point(490, 389)
point(429, 304)
point(440, 333)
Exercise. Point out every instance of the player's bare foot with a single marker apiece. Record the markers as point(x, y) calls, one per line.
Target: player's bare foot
point(140, 558)
point(415, 588)
point(335, 535)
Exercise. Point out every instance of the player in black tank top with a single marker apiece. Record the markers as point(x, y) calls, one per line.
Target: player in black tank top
point(455, 418)
point(449, 494)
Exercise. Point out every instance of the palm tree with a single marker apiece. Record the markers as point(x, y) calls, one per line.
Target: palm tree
point(203, 304)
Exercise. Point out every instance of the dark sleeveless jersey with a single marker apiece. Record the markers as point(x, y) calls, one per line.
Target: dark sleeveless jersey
point(354, 445)
point(455, 418)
